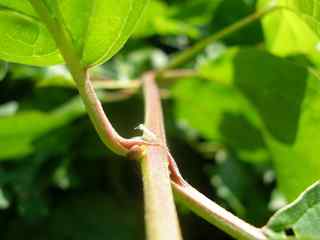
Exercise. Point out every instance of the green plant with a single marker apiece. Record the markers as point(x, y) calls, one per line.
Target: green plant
point(84, 34)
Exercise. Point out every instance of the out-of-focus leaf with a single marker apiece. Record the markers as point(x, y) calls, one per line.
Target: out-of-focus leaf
point(266, 87)
point(285, 95)
point(61, 177)
point(18, 132)
point(219, 69)
point(4, 202)
point(20, 72)
point(308, 10)
point(197, 12)
point(32, 205)
point(8, 109)
point(233, 180)
point(229, 12)
point(130, 66)
point(288, 34)
point(81, 217)
point(93, 217)
point(220, 114)
point(182, 18)
point(157, 20)
point(299, 220)
point(56, 76)
point(3, 70)
point(98, 29)
point(28, 179)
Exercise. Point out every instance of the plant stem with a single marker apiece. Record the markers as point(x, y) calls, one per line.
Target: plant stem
point(62, 39)
point(215, 214)
point(161, 216)
point(103, 126)
point(189, 54)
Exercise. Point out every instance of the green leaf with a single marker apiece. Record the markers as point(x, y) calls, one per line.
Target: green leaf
point(110, 23)
point(299, 220)
point(287, 33)
point(23, 38)
point(56, 76)
point(229, 12)
point(18, 132)
point(286, 97)
point(308, 10)
point(220, 115)
point(89, 215)
point(181, 18)
point(98, 29)
point(157, 19)
point(8, 109)
point(3, 70)
point(103, 219)
point(283, 102)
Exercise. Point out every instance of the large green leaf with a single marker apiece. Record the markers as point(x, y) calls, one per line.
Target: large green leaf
point(283, 94)
point(299, 220)
point(286, 96)
point(98, 29)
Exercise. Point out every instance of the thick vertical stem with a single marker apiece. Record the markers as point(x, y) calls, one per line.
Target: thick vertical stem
point(161, 217)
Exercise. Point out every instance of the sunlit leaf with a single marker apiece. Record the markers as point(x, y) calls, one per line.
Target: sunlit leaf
point(284, 95)
point(98, 29)
point(299, 220)
point(287, 33)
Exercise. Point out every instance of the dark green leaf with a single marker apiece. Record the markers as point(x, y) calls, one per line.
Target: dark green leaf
point(182, 18)
point(284, 95)
point(221, 115)
point(299, 220)
point(233, 180)
point(18, 132)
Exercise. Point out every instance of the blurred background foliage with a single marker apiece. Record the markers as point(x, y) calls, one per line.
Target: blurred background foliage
point(240, 127)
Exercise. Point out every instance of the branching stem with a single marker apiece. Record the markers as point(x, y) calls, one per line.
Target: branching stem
point(214, 214)
point(157, 163)
point(103, 126)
